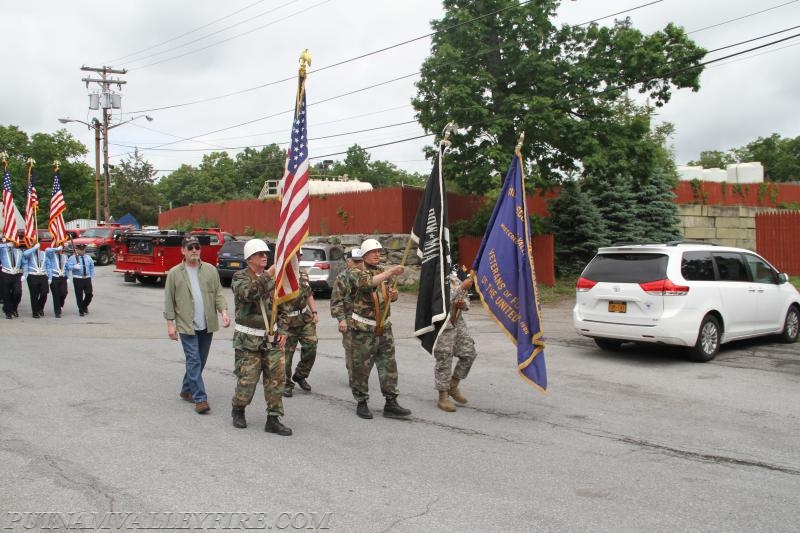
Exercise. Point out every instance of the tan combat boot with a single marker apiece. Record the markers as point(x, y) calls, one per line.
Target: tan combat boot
point(454, 392)
point(444, 402)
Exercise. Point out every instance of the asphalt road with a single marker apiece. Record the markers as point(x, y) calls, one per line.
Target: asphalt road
point(639, 440)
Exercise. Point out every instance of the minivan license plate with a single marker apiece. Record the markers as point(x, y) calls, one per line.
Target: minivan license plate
point(617, 307)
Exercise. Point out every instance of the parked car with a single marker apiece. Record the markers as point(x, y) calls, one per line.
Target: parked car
point(99, 241)
point(230, 259)
point(685, 294)
point(323, 262)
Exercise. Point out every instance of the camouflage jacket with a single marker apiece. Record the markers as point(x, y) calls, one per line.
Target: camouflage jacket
point(363, 300)
point(298, 303)
point(342, 294)
point(248, 291)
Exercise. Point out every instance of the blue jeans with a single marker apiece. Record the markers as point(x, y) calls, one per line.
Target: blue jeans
point(195, 349)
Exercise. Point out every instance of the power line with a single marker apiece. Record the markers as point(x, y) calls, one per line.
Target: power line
point(184, 34)
point(378, 51)
point(740, 18)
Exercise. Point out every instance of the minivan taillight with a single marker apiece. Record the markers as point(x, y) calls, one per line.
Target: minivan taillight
point(664, 287)
point(584, 285)
point(322, 266)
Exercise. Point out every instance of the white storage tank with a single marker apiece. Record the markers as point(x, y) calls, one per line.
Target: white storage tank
point(752, 172)
point(688, 173)
point(716, 175)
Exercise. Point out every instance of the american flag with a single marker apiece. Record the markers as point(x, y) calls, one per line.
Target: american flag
point(294, 206)
point(31, 237)
point(9, 211)
point(57, 207)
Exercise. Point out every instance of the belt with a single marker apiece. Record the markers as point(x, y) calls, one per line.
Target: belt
point(367, 321)
point(12, 271)
point(298, 312)
point(37, 274)
point(82, 277)
point(250, 331)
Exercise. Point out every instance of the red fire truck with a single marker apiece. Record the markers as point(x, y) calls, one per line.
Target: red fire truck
point(147, 256)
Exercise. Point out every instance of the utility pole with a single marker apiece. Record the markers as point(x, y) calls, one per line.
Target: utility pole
point(106, 100)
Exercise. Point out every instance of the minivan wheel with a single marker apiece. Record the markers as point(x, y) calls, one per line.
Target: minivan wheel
point(608, 344)
point(791, 326)
point(707, 346)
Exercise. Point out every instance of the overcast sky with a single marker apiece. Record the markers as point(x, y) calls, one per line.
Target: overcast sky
point(47, 41)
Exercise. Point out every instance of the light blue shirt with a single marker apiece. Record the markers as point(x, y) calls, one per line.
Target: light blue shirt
point(55, 263)
point(33, 262)
point(75, 266)
point(10, 258)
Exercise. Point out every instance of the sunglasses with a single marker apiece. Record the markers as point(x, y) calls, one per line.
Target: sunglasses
point(193, 247)
point(261, 254)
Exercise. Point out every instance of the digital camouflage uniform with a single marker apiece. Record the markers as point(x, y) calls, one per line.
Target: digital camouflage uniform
point(255, 355)
point(454, 340)
point(298, 328)
point(342, 296)
point(368, 346)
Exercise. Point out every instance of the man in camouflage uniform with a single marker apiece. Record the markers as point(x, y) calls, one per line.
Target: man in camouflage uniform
point(342, 302)
point(297, 321)
point(371, 336)
point(454, 339)
point(255, 355)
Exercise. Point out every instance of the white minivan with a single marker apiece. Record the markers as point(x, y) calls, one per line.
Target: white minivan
point(688, 294)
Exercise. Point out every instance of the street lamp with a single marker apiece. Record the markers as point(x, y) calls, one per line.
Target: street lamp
point(97, 125)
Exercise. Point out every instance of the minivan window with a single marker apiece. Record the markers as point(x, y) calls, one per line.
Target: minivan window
point(760, 270)
point(627, 268)
point(730, 266)
point(697, 266)
point(313, 254)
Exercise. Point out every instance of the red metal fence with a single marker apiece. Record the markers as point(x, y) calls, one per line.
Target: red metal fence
point(778, 239)
point(778, 195)
point(543, 256)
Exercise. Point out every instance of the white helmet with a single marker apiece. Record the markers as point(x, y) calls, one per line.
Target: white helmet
point(369, 245)
point(254, 246)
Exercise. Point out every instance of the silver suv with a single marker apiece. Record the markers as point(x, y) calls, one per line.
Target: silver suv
point(323, 263)
point(686, 294)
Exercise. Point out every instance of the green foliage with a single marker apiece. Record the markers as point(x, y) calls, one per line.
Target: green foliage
point(358, 165)
point(579, 228)
point(77, 178)
point(714, 159)
point(699, 196)
point(657, 212)
point(133, 190)
point(780, 157)
point(617, 203)
point(565, 87)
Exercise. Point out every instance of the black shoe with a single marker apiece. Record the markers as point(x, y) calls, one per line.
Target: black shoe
point(16, 314)
point(239, 420)
point(302, 382)
point(58, 315)
point(82, 313)
point(287, 393)
point(8, 316)
point(392, 409)
point(362, 410)
point(37, 315)
point(274, 425)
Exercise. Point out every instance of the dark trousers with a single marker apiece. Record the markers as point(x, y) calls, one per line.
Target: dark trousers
point(37, 288)
point(58, 288)
point(83, 292)
point(11, 287)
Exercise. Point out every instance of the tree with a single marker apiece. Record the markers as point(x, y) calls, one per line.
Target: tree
point(780, 157)
point(714, 159)
point(77, 178)
point(657, 211)
point(253, 167)
point(133, 190)
point(561, 86)
point(617, 203)
point(578, 226)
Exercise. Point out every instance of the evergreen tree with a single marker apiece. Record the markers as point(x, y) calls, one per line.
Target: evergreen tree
point(617, 202)
point(657, 210)
point(579, 229)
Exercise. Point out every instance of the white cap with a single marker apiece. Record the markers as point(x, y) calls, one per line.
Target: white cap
point(369, 245)
point(253, 246)
point(356, 255)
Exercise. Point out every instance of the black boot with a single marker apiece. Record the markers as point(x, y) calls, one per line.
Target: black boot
point(302, 382)
point(392, 409)
point(362, 410)
point(239, 420)
point(274, 426)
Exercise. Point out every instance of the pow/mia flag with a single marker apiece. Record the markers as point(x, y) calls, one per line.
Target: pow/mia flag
point(432, 237)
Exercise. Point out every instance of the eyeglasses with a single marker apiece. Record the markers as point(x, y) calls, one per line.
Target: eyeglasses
point(192, 246)
point(261, 254)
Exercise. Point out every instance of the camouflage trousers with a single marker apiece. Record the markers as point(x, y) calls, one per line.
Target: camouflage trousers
point(307, 337)
point(453, 341)
point(367, 351)
point(267, 364)
point(348, 351)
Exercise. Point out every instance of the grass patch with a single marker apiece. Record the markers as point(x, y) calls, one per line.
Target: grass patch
point(563, 289)
point(795, 280)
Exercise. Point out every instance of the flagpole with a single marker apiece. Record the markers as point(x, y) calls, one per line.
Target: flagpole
point(31, 163)
point(305, 61)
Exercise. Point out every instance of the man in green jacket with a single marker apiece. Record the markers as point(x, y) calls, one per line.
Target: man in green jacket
point(192, 298)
